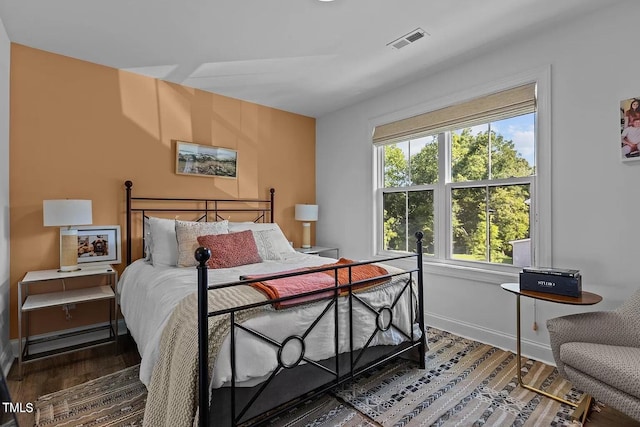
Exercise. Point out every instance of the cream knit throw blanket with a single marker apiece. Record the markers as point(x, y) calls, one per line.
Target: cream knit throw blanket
point(172, 400)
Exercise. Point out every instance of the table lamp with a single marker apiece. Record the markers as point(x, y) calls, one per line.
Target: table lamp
point(66, 213)
point(306, 213)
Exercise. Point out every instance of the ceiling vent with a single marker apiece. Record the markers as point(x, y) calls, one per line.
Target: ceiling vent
point(407, 39)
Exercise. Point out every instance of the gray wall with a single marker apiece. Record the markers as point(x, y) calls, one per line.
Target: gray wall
point(594, 200)
point(6, 356)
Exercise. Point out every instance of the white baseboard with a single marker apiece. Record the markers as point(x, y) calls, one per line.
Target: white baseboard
point(530, 349)
point(64, 342)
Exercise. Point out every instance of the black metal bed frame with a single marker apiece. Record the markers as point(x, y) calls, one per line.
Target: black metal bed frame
point(203, 207)
point(330, 372)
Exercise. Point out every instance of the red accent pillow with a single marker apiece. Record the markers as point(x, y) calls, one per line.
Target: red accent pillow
point(231, 250)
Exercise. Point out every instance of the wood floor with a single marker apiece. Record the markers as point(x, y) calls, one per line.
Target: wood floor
point(56, 373)
point(49, 375)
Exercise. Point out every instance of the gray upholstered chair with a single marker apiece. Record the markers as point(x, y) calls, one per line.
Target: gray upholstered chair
point(599, 353)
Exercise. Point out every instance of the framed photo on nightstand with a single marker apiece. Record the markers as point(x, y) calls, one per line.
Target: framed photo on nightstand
point(99, 244)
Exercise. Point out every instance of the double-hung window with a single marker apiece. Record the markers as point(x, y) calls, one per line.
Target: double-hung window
point(465, 176)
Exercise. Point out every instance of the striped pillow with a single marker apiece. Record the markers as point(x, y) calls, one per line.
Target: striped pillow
point(187, 233)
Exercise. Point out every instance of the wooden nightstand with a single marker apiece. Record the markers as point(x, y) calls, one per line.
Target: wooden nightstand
point(28, 302)
point(317, 250)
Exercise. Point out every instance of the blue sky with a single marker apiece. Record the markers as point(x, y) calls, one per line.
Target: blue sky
point(520, 130)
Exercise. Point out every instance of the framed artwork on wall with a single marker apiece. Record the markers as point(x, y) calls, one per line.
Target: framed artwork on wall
point(630, 129)
point(99, 244)
point(205, 160)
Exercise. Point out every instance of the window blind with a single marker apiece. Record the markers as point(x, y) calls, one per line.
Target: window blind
point(508, 103)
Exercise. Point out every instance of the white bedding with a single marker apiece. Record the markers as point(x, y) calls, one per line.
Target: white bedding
point(148, 294)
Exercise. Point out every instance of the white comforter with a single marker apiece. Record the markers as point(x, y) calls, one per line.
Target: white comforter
point(148, 294)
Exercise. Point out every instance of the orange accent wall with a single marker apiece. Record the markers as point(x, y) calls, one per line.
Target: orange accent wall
point(79, 130)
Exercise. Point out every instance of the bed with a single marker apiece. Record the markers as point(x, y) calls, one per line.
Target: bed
point(240, 344)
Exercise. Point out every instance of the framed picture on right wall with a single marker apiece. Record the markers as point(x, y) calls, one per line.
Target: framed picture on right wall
point(630, 129)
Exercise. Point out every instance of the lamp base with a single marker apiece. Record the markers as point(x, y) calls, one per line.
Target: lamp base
point(68, 250)
point(306, 235)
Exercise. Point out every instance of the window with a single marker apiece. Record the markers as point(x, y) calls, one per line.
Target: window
point(466, 183)
point(410, 172)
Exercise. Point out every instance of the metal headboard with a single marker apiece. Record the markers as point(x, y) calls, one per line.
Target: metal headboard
point(203, 207)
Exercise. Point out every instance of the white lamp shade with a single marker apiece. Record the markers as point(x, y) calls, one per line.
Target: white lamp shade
point(67, 212)
point(306, 212)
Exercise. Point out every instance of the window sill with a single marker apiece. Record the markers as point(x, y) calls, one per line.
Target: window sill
point(488, 274)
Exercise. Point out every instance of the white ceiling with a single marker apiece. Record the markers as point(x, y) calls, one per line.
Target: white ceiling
point(303, 56)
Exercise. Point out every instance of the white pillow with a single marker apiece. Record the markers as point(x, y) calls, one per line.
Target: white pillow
point(148, 241)
point(272, 244)
point(164, 246)
point(235, 227)
point(187, 233)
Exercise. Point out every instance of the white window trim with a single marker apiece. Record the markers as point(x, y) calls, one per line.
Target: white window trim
point(540, 203)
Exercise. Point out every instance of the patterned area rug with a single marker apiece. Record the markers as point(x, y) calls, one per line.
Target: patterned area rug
point(114, 400)
point(325, 411)
point(466, 383)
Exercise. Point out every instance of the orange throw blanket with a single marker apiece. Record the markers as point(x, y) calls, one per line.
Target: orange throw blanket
point(358, 273)
point(295, 285)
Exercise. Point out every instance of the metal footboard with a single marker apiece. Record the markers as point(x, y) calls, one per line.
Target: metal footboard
point(340, 368)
